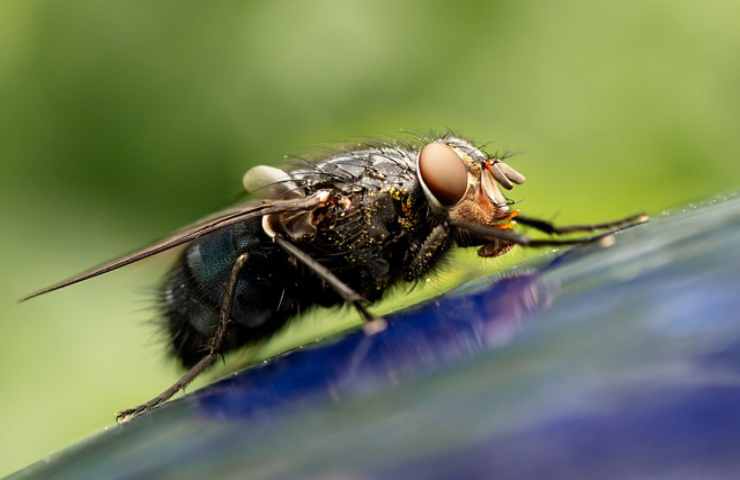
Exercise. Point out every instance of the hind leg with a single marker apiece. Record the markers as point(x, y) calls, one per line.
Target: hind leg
point(214, 347)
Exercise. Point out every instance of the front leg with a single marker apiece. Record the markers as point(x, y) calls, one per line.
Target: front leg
point(551, 229)
point(506, 236)
point(214, 348)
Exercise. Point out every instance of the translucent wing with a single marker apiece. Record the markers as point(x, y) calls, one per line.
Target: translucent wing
point(187, 234)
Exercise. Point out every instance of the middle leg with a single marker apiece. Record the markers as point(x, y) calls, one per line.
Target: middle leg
point(373, 323)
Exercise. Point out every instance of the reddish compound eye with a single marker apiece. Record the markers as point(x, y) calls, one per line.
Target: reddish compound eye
point(443, 173)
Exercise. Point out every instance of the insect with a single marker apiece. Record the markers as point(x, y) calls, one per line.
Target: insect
point(340, 229)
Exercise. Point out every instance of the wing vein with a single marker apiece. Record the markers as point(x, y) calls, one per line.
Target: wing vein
point(188, 234)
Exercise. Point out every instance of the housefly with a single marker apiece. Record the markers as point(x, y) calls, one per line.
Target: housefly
point(341, 229)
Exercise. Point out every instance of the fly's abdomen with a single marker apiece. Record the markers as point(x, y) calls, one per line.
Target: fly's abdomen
point(193, 291)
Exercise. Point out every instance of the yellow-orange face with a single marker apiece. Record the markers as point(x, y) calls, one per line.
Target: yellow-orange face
point(465, 182)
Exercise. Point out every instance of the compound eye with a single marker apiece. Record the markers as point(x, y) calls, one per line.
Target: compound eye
point(443, 173)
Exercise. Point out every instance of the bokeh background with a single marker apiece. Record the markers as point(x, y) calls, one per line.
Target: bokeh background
point(121, 121)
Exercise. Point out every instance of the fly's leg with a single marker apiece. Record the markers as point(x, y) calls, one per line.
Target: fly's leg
point(549, 228)
point(214, 347)
point(181, 383)
point(429, 252)
point(503, 242)
point(373, 324)
point(510, 236)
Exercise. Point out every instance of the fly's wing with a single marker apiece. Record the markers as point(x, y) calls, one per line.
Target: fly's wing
point(187, 234)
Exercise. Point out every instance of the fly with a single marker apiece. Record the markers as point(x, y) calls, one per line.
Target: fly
point(340, 230)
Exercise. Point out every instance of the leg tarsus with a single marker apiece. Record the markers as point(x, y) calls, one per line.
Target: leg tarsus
point(214, 346)
point(180, 384)
point(372, 323)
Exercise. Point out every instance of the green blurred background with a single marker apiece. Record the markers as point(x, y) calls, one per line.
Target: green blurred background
point(123, 120)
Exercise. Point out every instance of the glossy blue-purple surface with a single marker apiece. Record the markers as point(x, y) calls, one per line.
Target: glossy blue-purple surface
point(619, 362)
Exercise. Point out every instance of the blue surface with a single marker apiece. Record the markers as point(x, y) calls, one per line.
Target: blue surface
point(619, 362)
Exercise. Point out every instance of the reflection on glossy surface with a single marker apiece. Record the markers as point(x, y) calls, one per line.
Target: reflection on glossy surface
point(414, 344)
point(633, 371)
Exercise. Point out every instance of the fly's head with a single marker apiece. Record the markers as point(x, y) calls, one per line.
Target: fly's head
point(464, 182)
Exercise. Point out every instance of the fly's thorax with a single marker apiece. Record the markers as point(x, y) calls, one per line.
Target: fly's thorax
point(390, 194)
point(366, 167)
point(366, 236)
